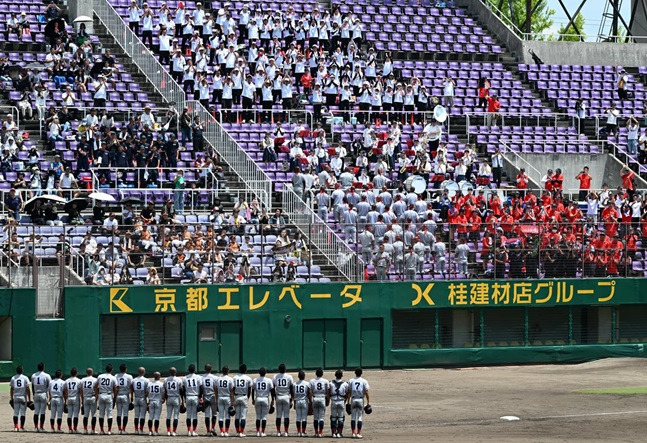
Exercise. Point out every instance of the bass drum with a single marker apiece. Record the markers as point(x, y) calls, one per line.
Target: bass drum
point(451, 186)
point(415, 183)
point(465, 187)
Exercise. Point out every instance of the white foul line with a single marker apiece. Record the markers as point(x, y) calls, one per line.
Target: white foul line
point(592, 414)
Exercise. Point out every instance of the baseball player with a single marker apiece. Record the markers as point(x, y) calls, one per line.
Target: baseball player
point(301, 392)
point(224, 399)
point(242, 391)
point(39, 386)
point(71, 397)
point(156, 394)
point(320, 399)
point(209, 405)
point(338, 393)
point(56, 388)
point(262, 389)
point(106, 392)
point(20, 395)
point(283, 388)
point(358, 389)
point(172, 389)
point(192, 389)
point(89, 400)
point(139, 389)
point(124, 397)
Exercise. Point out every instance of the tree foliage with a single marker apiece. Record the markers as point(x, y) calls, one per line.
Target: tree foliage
point(570, 34)
point(541, 18)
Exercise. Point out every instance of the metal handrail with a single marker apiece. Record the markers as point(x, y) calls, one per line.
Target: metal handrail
point(139, 54)
point(276, 115)
point(322, 237)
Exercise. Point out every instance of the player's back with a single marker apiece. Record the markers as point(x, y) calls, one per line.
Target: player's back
point(124, 382)
point(140, 386)
point(72, 386)
point(87, 385)
point(40, 381)
point(358, 387)
point(172, 386)
point(300, 389)
point(209, 383)
point(20, 384)
point(56, 387)
point(106, 383)
point(242, 383)
point(319, 386)
point(338, 389)
point(263, 386)
point(192, 384)
point(225, 385)
point(156, 391)
point(283, 384)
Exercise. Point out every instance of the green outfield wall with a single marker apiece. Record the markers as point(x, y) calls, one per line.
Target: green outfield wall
point(412, 324)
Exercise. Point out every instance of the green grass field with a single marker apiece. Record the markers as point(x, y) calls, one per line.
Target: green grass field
point(615, 391)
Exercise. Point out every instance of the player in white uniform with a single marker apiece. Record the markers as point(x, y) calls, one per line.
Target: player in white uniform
point(172, 389)
point(19, 395)
point(242, 391)
point(39, 386)
point(301, 392)
point(192, 388)
point(358, 389)
point(156, 395)
point(283, 387)
point(224, 399)
point(89, 400)
point(139, 388)
point(56, 388)
point(209, 405)
point(338, 393)
point(320, 398)
point(262, 389)
point(72, 399)
point(124, 397)
point(106, 391)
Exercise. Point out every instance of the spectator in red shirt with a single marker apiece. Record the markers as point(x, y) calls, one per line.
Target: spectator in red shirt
point(585, 182)
point(522, 182)
point(628, 181)
point(493, 107)
point(557, 180)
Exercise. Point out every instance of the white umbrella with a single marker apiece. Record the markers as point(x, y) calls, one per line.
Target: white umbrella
point(82, 18)
point(54, 198)
point(102, 196)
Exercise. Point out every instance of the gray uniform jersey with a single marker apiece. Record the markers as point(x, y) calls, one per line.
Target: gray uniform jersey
point(87, 385)
point(262, 387)
point(124, 381)
point(192, 384)
point(140, 386)
point(172, 386)
point(41, 380)
point(300, 390)
point(242, 383)
point(283, 384)
point(106, 384)
point(72, 386)
point(20, 383)
point(56, 388)
point(155, 391)
point(225, 385)
point(319, 386)
point(209, 382)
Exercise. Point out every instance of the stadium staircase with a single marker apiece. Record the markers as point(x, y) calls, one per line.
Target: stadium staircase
point(233, 183)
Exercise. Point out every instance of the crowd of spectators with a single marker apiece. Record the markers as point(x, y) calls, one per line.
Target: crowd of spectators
point(264, 58)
